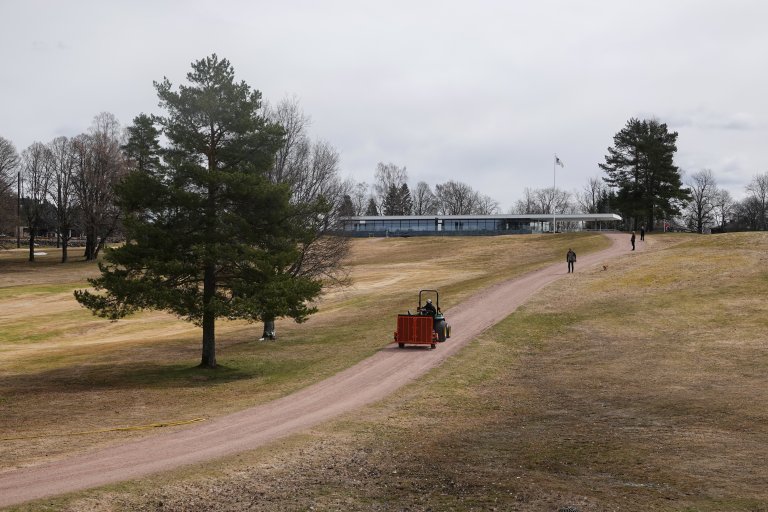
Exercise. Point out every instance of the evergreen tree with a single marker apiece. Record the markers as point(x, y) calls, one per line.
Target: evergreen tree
point(372, 209)
point(397, 201)
point(406, 202)
point(640, 167)
point(391, 204)
point(209, 233)
point(143, 146)
point(347, 208)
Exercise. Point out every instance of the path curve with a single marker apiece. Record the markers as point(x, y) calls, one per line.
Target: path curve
point(368, 381)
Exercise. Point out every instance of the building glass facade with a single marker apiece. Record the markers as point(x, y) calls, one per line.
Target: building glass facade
point(469, 224)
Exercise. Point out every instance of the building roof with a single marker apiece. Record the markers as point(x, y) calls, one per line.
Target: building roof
point(531, 216)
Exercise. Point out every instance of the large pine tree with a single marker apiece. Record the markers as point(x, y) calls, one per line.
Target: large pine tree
point(208, 233)
point(640, 167)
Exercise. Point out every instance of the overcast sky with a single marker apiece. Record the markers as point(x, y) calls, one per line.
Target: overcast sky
point(483, 92)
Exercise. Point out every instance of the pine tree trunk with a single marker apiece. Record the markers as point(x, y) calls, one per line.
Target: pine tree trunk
point(269, 329)
point(209, 318)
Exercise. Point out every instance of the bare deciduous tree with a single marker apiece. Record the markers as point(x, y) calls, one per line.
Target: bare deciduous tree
point(311, 170)
point(486, 205)
point(316, 175)
point(359, 195)
point(35, 179)
point(99, 165)
point(724, 206)
point(699, 212)
point(388, 176)
point(748, 213)
point(758, 192)
point(9, 160)
point(527, 204)
point(62, 190)
point(455, 198)
point(424, 200)
point(545, 201)
point(289, 115)
point(589, 197)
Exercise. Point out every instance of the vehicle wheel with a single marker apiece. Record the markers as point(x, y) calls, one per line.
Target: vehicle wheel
point(401, 345)
point(433, 346)
point(447, 331)
point(441, 329)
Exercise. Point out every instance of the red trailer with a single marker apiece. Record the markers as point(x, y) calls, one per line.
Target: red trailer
point(427, 327)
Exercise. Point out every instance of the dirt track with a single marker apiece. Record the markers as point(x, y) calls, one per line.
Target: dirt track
point(364, 383)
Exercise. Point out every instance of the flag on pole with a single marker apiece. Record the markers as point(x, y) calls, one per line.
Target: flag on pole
point(558, 161)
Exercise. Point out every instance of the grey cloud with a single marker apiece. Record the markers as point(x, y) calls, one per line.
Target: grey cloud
point(482, 92)
point(709, 120)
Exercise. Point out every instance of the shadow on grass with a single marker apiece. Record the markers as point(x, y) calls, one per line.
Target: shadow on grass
point(106, 376)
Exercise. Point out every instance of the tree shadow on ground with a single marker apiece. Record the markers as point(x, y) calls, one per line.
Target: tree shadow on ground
point(122, 376)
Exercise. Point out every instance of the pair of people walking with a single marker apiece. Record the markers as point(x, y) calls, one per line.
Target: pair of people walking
point(570, 256)
point(642, 236)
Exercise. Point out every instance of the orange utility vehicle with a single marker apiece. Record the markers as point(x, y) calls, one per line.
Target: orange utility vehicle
point(427, 327)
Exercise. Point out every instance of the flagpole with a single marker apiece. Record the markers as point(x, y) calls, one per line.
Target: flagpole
point(554, 191)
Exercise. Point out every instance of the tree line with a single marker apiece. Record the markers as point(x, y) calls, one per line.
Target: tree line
point(65, 185)
point(643, 185)
point(68, 184)
point(390, 195)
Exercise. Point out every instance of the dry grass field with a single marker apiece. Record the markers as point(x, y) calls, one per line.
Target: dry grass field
point(639, 387)
point(66, 371)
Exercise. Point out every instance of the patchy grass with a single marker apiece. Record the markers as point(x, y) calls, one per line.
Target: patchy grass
point(639, 387)
point(65, 370)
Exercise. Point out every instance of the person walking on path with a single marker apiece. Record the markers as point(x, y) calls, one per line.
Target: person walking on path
point(632, 239)
point(642, 232)
point(570, 257)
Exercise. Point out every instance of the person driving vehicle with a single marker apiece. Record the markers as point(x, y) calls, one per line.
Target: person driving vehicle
point(429, 308)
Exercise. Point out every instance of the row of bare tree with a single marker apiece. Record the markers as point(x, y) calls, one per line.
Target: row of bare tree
point(390, 195)
point(710, 206)
point(67, 182)
point(311, 169)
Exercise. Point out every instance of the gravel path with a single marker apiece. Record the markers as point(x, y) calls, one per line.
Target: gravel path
point(366, 382)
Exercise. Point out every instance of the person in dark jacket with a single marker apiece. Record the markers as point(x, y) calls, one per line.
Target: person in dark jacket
point(429, 308)
point(570, 257)
point(642, 232)
point(632, 239)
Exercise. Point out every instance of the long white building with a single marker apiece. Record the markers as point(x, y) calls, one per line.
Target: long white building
point(475, 224)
